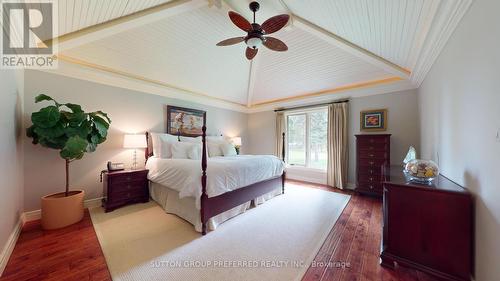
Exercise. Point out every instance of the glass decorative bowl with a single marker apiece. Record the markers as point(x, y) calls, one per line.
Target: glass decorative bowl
point(421, 171)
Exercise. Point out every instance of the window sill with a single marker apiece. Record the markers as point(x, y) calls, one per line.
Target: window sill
point(300, 168)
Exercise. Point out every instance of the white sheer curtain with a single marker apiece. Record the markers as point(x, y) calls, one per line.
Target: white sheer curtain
point(337, 145)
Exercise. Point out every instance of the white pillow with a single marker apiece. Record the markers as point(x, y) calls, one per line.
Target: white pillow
point(195, 152)
point(162, 143)
point(214, 149)
point(228, 149)
point(180, 150)
point(191, 139)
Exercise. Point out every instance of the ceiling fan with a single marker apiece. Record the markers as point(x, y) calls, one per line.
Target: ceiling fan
point(256, 33)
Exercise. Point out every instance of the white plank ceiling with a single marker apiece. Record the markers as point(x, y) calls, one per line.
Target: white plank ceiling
point(392, 29)
point(310, 65)
point(180, 50)
point(78, 14)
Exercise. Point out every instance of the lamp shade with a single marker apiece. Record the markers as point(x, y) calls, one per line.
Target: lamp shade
point(236, 141)
point(134, 141)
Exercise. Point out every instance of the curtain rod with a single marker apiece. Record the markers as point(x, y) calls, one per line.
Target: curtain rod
point(309, 106)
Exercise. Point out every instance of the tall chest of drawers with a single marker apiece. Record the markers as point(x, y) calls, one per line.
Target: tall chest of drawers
point(373, 154)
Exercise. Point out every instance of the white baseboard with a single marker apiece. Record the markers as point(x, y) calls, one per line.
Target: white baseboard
point(11, 243)
point(37, 214)
point(92, 203)
point(32, 215)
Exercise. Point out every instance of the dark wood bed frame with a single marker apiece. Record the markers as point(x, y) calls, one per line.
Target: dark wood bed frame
point(212, 206)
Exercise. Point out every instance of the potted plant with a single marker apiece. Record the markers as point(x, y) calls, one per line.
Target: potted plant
point(67, 128)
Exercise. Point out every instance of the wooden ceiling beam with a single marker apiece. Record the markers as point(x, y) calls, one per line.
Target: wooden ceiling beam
point(350, 47)
point(134, 20)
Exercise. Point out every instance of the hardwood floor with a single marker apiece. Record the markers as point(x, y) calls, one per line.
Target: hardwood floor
point(71, 253)
point(350, 252)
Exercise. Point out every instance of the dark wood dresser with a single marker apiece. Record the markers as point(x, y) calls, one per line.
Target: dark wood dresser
point(373, 151)
point(428, 227)
point(125, 187)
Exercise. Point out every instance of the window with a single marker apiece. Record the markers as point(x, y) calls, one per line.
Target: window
point(307, 138)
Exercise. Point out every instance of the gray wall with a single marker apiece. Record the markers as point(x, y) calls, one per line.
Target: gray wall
point(460, 107)
point(11, 177)
point(262, 132)
point(130, 111)
point(403, 124)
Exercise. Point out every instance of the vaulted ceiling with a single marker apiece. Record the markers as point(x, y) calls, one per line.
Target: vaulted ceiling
point(335, 46)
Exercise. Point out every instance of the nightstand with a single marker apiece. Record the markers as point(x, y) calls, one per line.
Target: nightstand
point(125, 187)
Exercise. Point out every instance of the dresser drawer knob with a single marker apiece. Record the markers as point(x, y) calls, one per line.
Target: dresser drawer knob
point(371, 186)
point(371, 147)
point(371, 155)
point(371, 172)
point(372, 140)
point(371, 179)
point(129, 178)
point(371, 162)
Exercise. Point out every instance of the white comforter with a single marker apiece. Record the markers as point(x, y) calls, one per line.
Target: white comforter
point(223, 173)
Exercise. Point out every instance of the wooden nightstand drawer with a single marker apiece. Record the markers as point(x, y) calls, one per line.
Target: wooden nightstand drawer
point(126, 177)
point(125, 187)
point(126, 195)
point(134, 187)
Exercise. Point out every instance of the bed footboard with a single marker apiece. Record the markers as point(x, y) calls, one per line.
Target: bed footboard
point(213, 206)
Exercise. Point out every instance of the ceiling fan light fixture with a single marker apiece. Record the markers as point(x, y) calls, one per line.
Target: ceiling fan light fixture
point(254, 42)
point(257, 35)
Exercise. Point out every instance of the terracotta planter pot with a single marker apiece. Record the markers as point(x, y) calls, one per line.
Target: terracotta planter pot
point(59, 211)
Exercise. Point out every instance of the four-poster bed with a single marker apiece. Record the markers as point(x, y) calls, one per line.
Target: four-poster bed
point(210, 207)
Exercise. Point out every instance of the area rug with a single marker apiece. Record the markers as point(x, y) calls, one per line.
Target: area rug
point(274, 241)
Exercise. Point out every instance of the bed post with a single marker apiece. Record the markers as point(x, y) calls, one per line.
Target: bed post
point(146, 151)
point(283, 176)
point(204, 195)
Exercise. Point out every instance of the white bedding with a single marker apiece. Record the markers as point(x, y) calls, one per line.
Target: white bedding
point(224, 174)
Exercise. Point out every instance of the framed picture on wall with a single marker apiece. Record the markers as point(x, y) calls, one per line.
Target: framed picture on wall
point(374, 120)
point(186, 121)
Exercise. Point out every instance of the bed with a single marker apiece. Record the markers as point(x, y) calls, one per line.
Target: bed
point(208, 192)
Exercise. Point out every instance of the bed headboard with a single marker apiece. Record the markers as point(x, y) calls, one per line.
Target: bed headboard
point(149, 147)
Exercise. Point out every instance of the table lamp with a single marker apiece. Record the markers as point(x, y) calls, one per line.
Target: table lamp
point(134, 142)
point(237, 144)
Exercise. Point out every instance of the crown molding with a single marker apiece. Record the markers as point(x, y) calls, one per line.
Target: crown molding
point(344, 88)
point(441, 31)
point(74, 68)
point(371, 88)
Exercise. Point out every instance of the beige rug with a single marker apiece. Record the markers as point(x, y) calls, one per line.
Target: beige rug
point(275, 241)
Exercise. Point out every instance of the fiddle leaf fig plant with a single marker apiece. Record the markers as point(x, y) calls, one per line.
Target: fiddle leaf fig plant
point(67, 128)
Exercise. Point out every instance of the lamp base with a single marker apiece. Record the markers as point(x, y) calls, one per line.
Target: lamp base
point(134, 161)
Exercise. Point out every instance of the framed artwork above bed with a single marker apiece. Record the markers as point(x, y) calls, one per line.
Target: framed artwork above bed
point(186, 121)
